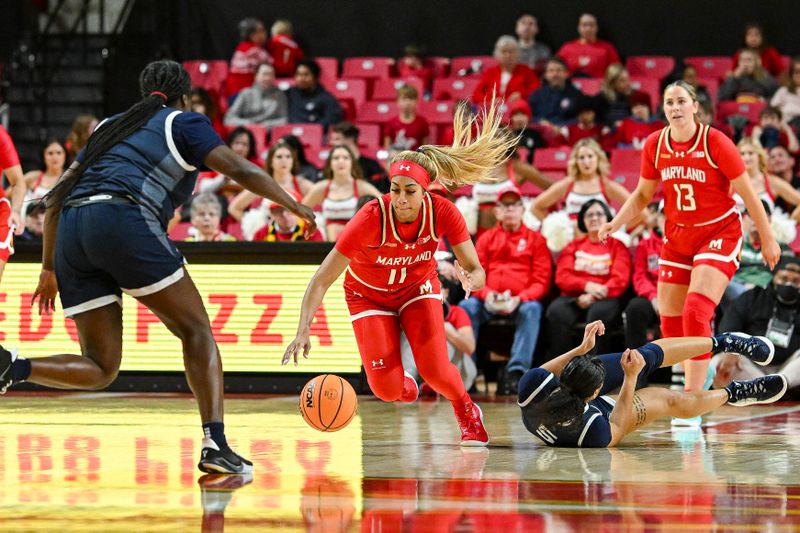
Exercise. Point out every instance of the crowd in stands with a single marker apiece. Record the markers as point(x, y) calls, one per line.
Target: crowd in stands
point(326, 133)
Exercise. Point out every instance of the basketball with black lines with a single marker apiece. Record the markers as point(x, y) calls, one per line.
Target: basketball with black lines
point(328, 403)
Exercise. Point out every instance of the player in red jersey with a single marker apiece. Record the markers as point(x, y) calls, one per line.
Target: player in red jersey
point(697, 166)
point(391, 281)
point(11, 219)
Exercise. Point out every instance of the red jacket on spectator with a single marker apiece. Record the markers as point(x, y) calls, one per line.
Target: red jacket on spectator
point(424, 73)
point(518, 261)
point(770, 60)
point(645, 266)
point(575, 132)
point(523, 81)
point(242, 70)
point(583, 260)
point(632, 132)
point(285, 54)
point(591, 59)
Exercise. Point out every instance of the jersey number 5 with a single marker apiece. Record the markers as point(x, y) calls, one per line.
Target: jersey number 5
point(393, 275)
point(685, 193)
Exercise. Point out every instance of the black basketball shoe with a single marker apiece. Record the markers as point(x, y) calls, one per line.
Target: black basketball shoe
point(214, 460)
point(766, 389)
point(6, 359)
point(759, 350)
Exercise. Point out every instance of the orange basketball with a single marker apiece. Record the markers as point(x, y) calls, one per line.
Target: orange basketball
point(328, 403)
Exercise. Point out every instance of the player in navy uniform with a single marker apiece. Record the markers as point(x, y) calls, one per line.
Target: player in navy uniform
point(105, 233)
point(563, 402)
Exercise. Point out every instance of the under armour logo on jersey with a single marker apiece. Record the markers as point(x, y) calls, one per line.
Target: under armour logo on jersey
point(680, 154)
point(715, 244)
point(426, 288)
point(409, 246)
point(377, 363)
point(405, 167)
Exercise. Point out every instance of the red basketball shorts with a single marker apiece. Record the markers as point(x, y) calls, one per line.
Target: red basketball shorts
point(6, 232)
point(718, 245)
point(363, 301)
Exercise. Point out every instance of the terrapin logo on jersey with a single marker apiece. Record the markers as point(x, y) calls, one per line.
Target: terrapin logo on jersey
point(423, 240)
point(426, 288)
point(715, 244)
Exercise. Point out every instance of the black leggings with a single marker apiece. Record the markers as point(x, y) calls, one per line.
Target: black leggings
point(653, 358)
point(563, 315)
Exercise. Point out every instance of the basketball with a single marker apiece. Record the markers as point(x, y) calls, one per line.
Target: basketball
point(328, 403)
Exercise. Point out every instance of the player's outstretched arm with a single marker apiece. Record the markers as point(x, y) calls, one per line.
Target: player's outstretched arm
point(632, 207)
point(589, 334)
point(18, 188)
point(623, 419)
point(251, 177)
point(328, 272)
point(468, 267)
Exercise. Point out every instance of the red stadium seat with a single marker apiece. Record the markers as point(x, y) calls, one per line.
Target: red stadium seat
point(656, 67)
point(712, 87)
point(284, 83)
point(747, 110)
point(353, 90)
point(441, 66)
point(550, 159)
point(386, 89)
point(588, 86)
point(329, 69)
point(786, 63)
point(318, 156)
point(377, 112)
point(651, 86)
point(210, 75)
point(369, 136)
point(470, 65)
point(711, 66)
point(437, 112)
point(260, 133)
point(180, 231)
point(367, 67)
point(626, 166)
point(309, 134)
point(454, 88)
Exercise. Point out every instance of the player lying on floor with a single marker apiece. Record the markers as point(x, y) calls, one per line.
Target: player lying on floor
point(563, 400)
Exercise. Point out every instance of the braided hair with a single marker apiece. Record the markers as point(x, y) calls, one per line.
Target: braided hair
point(580, 379)
point(160, 83)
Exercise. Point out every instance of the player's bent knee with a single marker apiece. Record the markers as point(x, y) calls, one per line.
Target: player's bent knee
point(388, 392)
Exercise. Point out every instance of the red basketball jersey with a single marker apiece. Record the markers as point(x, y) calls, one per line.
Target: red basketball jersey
point(8, 154)
point(387, 256)
point(696, 175)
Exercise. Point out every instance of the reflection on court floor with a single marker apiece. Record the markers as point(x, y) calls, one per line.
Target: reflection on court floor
point(114, 462)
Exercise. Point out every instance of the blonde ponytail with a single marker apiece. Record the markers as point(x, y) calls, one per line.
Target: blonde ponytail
point(471, 158)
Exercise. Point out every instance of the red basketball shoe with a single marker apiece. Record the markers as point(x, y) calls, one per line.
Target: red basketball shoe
point(470, 421)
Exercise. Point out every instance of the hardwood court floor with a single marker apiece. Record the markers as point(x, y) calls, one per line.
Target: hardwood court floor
point(120, 463)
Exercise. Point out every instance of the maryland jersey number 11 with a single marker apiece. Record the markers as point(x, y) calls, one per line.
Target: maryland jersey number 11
point(393, 276)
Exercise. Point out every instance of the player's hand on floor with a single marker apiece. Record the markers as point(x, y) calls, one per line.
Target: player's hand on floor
point(301, 342)
point(46, 291)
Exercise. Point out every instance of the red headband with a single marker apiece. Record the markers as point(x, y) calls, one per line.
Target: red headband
point(412, 170)
point(159, 93)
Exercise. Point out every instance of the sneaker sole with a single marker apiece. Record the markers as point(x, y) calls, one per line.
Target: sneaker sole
point(213, 468)
point(771, 399)
point(409, 376)
point(695, 422)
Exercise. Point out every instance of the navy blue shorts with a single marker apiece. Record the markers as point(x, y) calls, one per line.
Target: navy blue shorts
point(653, 358)
point(103, 249)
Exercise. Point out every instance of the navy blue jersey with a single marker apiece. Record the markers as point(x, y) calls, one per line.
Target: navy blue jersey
point(594, 429)
point(157, 165)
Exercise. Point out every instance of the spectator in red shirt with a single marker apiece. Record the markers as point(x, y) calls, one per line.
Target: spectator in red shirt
point(284, 226)
point(509, 80)
point(248, 55)
point(587, 126)
point(641, 313)
point(414, 63)
point(518, 277)
point(592, 276)
point(633, 131)
point(283, 50)
point(202, 103)
point(588, 55)
point(407, 130)
point(754, 40)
